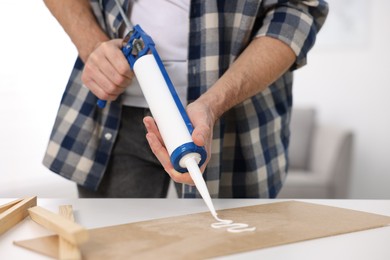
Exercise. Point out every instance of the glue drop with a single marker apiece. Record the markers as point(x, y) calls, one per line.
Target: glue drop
point(190, 162)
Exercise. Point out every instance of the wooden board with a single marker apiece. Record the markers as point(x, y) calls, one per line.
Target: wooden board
point(71, 231)
point(67, 250)
point(6, 206)
point(14, 212)
point(190, 236)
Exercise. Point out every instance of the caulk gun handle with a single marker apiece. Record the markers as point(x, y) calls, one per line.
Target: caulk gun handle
point(101, 103)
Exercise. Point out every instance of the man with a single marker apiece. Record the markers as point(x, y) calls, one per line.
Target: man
point(238, 60)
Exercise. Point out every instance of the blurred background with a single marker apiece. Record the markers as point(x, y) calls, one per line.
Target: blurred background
point(346, 83)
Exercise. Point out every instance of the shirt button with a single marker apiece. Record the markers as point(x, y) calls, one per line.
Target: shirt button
point(108, 136)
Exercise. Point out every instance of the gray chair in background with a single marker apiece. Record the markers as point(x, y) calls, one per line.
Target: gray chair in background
point(319, 158)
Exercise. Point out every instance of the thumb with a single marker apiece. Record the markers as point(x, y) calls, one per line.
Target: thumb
point(200, 134)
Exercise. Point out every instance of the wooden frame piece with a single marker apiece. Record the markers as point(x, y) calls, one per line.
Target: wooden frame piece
point(14, 212)
point(6, 206)
point(66, 249)
point(65, 228)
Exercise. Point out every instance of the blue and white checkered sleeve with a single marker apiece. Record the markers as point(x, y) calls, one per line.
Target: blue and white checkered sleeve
point(295, 22)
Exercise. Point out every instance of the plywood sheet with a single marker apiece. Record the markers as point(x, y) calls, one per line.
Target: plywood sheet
point(191, 236)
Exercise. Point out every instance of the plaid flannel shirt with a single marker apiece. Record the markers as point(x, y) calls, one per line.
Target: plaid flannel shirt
point(250, 145)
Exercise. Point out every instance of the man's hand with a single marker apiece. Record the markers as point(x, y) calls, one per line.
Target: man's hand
point(106, 72)
point(203, 122)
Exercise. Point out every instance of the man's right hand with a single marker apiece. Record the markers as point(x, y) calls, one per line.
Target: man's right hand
point(106, 71)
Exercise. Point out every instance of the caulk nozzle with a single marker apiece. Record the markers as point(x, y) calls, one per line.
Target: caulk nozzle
point(196, 175)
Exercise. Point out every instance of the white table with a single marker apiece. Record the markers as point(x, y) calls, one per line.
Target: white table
point(92, 213)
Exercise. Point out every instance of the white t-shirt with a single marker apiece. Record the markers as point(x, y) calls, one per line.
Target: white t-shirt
point(167, 22)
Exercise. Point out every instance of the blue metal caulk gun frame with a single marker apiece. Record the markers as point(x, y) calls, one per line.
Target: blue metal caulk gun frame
point(137, 45)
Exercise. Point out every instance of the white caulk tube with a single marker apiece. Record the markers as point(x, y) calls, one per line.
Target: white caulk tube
point(168, 114)
point(161, 103)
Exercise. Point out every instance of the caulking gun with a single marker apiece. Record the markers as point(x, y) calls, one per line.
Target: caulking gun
point(167, 110)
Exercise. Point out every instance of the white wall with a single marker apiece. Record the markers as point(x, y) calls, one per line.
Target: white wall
point(35, 61)
point(346, 80)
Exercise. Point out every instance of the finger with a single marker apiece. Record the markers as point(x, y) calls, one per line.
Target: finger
point(119, 80)
point(101, 67)
point(117, 69)
point(121, 65)
point(97, 83)
point(107, 77)
point(198, 140)
point(184, 178)
point(113, 82)
point(95, 88)
point(162, 155)
point(151, 127)
point(200, 135)
point(160, 152)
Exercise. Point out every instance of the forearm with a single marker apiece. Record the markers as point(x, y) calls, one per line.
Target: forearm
point(77, 19)
point(261, 63)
